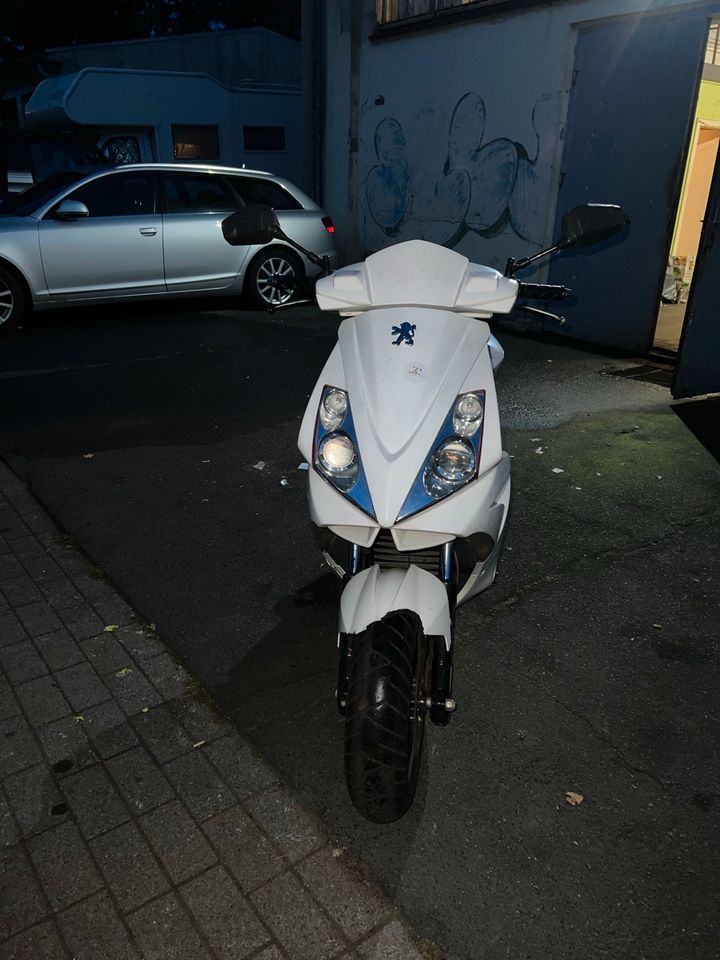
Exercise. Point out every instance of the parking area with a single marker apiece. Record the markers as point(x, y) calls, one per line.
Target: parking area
point(163, 443)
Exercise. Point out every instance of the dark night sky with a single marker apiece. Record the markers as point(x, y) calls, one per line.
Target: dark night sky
point(25, 34)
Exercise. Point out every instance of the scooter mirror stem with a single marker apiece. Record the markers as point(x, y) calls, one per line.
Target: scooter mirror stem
point(322, 262)
point(512, 266)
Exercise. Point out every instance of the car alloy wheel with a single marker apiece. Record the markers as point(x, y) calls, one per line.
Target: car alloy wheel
point(273, 280)
point(12, 301)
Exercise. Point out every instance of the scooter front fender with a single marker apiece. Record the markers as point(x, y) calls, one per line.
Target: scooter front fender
point(373, 593)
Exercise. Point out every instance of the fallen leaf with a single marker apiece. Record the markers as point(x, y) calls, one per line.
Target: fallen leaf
point(144, 709)
point(79, 717)
point(284, 483)
point(658, 626)
point(534, 439)
point(124, 672)
point(110, 627)
point(539, 450)
point(574, 799)
point(260, 465)
point(88, 456)
point(557, 470)
point(200, 743)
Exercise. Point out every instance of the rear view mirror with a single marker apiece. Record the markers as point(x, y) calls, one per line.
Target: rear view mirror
point(255, 223)
point(592, 223)
point(71, 210)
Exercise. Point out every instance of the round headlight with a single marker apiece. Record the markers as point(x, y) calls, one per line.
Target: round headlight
point(337, 454)
point(333, 408)
point(451, 465)
point(454, 461)
point(468, 415)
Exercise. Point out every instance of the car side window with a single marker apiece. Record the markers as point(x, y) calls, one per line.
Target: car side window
point(128, 194)
point(196, 193)
point(255, 190)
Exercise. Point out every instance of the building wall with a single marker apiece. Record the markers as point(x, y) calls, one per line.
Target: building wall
point(455, 134)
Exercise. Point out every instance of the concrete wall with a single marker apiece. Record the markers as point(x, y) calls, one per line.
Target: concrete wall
point(455, 135)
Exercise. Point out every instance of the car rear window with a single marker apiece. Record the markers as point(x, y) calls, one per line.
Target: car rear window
point(255, 190)
point(196, 193)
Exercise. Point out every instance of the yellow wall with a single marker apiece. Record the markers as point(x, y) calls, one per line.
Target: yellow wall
point(708, 106)
point(697, 175)
point(697, 189)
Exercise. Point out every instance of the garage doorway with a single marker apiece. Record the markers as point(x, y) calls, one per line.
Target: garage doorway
point(702, 155)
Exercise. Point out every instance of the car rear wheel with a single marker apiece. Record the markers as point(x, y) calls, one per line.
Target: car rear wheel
point(271, 277)
point(13, 301)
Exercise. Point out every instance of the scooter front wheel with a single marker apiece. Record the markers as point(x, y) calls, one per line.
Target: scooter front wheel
point(389, 681)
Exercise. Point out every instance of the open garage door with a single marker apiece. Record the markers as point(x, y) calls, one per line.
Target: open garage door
point(697, 370)
point(630, 115)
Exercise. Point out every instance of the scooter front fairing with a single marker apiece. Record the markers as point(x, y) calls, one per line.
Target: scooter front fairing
point(403, 369)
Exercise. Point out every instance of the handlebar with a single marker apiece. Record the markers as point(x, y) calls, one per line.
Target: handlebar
point(543, 291)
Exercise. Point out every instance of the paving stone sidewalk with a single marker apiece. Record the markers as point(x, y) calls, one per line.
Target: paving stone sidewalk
point(134, 821)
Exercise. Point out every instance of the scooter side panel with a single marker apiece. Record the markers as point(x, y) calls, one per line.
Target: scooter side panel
point(467, 511)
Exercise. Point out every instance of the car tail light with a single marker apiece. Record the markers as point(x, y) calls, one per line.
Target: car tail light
point(327, 222)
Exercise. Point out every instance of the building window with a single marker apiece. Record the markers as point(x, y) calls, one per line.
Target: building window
point(394, 11)
point(195, 143)
point(265, 139)
point(712, 51)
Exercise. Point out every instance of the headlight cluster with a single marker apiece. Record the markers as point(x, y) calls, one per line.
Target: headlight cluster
point(455, 456)
point(333, 408)
point(335, 455)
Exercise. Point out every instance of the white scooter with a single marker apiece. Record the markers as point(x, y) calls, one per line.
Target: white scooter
point(409, 487)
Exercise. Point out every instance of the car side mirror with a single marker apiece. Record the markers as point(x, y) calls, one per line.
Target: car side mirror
point(591, 223)
point(71, 210)
point(255, 223)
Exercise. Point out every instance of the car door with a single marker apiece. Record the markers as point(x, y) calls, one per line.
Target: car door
point(197, 257)
point(116, 250)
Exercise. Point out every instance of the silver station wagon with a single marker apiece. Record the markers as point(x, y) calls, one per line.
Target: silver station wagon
point(150, 230)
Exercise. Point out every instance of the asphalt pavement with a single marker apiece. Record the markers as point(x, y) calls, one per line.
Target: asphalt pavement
point(571, 806)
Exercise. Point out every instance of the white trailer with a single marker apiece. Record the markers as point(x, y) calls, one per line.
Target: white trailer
point(160, 115)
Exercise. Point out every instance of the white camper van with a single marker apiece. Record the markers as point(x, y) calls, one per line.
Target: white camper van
point(164, 116)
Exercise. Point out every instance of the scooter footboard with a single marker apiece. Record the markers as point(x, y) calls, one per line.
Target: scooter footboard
point(373, 593)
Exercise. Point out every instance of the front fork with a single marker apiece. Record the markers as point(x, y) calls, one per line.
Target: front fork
point(440, 702)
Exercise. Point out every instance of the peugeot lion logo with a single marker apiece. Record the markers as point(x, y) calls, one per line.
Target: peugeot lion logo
point(405, 333)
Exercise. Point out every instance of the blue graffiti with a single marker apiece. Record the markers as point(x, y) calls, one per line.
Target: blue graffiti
point(482, 187)
point(387, 185)
point(405, 333)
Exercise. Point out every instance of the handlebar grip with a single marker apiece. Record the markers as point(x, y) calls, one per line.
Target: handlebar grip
point(543, 291)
